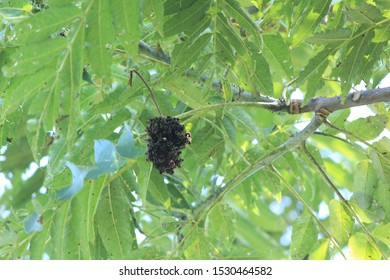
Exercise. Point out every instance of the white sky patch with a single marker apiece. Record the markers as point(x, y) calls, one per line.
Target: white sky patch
point(323, 211)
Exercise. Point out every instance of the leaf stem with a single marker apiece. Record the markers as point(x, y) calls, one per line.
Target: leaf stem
point(133, 70)
point(342, 199)
point(346, 132)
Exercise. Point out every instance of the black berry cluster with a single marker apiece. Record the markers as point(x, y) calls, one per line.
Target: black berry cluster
point(167, 137)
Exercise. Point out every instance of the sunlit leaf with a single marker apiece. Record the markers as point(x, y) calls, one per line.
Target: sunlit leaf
point(382, 232)
point(341, 223)
point(368, 128)
point(361, 248)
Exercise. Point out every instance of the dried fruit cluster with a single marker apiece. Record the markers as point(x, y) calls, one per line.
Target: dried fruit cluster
point(167, 137)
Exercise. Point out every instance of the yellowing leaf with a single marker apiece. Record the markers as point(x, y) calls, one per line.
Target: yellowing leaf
point(360, 248)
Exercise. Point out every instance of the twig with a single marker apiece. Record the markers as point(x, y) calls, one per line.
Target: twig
point(308, 208)
point(356, 147)
point(342, 199)
point(133, 70)
point(350, 134)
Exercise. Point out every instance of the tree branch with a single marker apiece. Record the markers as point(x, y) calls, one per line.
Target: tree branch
point(332, 104)
point(202, 210)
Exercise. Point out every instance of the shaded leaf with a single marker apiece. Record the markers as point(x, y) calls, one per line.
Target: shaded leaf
point(304, 236)
point(125, 145)
point(277, 54)
point(314, 13)
point(221, 225)
point(32, 223)
point(42, 25)
point(99, 35)
point(235, 10)
point(114, 222)
point(78, 175)
point(186, 18)
point(126, 22)
point(197, 246)
point(106, 159)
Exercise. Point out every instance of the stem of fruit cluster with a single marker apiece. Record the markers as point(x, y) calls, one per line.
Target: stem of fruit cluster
point(133, 70)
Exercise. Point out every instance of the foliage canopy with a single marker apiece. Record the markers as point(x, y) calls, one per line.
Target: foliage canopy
point(76, 184)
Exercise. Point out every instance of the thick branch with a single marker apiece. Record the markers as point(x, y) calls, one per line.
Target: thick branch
point(332, 104)
point(354, 99)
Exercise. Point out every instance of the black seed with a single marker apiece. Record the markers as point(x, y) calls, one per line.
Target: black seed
point(167, 137)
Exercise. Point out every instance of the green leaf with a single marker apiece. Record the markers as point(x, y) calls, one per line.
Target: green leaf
point(277, 54)
point(314, 69)
point(155, 9)
point(26, 89)
point(114, 222)
point(78, 175)
point(230, 128)
point(186, 19)
point(42, 25)
point(314, 13)
point(69, 77)
point(367, 128)
point(187, 92)
point(59, 233)
point(39, 242)
point(205, 142)
point(360, 248)
point(106, 159)
point(353, 64)
point(331, 37)
point(233, 9)
point(365, 13)
point(365, 183)
point(175, 6)
point(31, 58)
point(268, 220)
point(157, 190)
point(32, 223)
point(382, 232)
point(227, 31)
point(341, 223)
point(321, 250)
point(221, 226)
point(303, 237)
point(262, 75)
point(184, 55)
point(125, 146)
point(99, 36)
point(382, 34)
point(197, 246)
point(84, 207)
point(126, 22)
point(224, 52)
